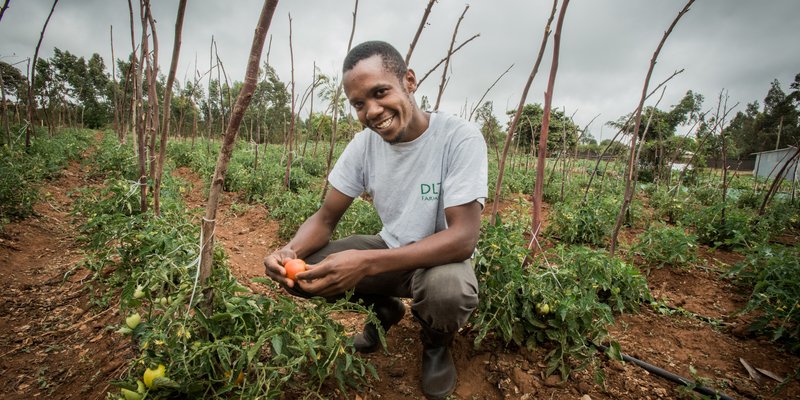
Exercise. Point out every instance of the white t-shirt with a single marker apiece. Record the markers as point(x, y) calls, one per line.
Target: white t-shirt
point(412, 183)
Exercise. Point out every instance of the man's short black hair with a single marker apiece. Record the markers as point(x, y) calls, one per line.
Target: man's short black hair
point(392, 60)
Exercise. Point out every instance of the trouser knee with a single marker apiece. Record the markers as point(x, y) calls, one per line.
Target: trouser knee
point(445, 296)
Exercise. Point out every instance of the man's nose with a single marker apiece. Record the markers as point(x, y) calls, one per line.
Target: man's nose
point(373, 110)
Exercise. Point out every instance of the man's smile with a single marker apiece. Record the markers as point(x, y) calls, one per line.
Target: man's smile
point(385, 123)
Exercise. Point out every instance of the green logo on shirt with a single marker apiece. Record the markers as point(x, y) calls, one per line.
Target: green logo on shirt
point(430, 191)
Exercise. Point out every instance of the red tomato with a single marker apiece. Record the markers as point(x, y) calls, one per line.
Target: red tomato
point(293, 266)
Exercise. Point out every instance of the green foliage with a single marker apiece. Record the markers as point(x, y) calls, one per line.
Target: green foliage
point(529, 126)
point(113, 159)
point(750, 199)
point(706, 194)
point(292, 209)
point(558, 306)
point(576, 223)
point(779, 217)
point(276, 345)
point(735, 230)
point(662, 245)
point(360, 219)
point(202, 158)
point(669, 206)
point(774, 274)
point(21, 171)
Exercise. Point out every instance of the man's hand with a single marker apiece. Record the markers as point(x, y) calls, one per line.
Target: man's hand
point(336, 274)
point(273, 265)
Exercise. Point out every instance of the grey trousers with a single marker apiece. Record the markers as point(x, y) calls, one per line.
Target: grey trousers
point(443, 296)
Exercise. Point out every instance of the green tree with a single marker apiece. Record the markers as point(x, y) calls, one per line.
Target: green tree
point(530, 125)
point(775, 126)
point(14, 83)
point(85, 82)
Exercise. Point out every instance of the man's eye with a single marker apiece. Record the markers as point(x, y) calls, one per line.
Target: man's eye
point(380, 92)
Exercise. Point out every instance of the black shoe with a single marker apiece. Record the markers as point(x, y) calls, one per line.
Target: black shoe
point(389, 310)
point(439, 374)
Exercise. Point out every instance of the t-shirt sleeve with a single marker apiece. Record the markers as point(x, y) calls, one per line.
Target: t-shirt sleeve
point(467, 172)
point(347, 175)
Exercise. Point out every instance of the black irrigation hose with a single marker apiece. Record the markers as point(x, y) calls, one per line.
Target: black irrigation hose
point(669, 375)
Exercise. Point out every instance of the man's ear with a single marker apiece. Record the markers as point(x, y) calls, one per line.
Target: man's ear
point(410, 81)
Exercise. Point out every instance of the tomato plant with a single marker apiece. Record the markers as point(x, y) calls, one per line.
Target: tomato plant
point(662, 245)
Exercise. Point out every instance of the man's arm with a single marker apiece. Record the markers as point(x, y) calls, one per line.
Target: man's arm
point(312, 235)
point(342, 271)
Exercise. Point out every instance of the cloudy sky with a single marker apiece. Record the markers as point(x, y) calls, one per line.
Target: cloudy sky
point(736, 45)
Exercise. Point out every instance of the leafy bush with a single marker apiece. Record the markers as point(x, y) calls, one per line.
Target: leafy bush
point(670, 207)
point(113, 159)
point(774, 274)
point(734, 231)
point(706, 195)
point(779, 217)
point(360, 219)
point(201, 159)
point(292, 209)
point(559, 306)
point(576, 223)
point(662, 245)
point(21, 170)
point(243, 345)
point(749, 199)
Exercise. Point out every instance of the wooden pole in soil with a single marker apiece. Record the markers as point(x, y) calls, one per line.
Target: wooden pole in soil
point(4, 109)
point(173, 66)
point(536, 218)
point(290, 140)
point(152, 93)
point(518, 114)
point(115, 97)
point(628, 197)
point(242, 102)
point(335, 106)
point(137, 114)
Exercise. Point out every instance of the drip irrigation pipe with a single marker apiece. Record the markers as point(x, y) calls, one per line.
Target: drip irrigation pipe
point(669, 375)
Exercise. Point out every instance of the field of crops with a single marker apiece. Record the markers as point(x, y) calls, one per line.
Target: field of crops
point(103, 300)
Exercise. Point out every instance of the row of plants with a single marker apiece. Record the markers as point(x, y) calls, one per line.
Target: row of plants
point(674, 225)
point(22, 170)
point(563, 300)
point(240, 344)
point(249, 345)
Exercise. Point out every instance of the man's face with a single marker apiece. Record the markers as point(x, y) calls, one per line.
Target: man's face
point(382, 101)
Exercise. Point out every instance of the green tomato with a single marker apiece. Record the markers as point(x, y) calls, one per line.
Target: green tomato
point(133, 320)
point(130, 394)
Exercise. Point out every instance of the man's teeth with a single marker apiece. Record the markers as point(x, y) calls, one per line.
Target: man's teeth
point(385, 123)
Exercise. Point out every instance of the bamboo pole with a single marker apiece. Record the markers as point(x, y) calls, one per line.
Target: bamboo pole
point(242, 102)
point(536, 219)
point(628, 197)
point(166, 113)
point(513, 126)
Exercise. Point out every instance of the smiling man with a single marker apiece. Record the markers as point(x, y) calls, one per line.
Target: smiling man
point(427, 176)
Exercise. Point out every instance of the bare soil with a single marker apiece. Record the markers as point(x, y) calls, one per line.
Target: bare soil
point(53, 344)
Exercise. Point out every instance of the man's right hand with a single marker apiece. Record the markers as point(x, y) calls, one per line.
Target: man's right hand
point(273, 265)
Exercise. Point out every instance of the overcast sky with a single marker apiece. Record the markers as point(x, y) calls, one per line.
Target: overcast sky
point(606, 46)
